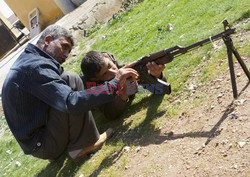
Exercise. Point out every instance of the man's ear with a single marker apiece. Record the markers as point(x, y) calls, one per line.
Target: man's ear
point(48, 39)
point(105, 54)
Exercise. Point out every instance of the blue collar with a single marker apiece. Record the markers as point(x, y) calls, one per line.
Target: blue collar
point(31, 48)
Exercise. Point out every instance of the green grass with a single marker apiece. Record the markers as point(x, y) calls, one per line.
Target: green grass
point(132, 34)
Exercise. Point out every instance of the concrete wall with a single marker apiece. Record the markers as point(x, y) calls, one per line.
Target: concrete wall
point(49, 11)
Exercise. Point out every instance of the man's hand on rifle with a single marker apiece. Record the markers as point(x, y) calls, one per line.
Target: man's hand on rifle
point(130, 86)
point(155, 69)
point(123, 74)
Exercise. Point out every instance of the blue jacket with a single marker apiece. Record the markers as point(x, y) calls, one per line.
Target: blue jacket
point(32, 86)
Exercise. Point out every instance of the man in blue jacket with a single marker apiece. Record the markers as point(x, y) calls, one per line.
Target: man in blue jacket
point(47, 109)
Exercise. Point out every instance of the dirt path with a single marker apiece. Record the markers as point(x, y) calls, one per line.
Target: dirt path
point(209, 139)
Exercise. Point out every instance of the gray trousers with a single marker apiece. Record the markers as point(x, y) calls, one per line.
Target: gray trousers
point(67, 132)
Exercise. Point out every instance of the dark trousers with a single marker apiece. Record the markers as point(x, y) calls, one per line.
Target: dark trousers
point(67, 132)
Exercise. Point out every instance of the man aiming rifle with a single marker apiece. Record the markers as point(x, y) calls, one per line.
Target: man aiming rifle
point(101, 66)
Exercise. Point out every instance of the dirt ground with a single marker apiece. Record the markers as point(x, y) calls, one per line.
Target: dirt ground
point(209, 139)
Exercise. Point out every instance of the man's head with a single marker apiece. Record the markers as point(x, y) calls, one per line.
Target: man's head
point(97, 66)
point(57, 42)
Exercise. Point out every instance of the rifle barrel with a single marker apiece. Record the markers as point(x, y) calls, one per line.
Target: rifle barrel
point(167, 55)
point(202, 42)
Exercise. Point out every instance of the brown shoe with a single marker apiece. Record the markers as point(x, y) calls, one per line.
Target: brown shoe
point(93, 148)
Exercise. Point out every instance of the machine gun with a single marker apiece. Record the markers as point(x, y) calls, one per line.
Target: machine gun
point(167, 55)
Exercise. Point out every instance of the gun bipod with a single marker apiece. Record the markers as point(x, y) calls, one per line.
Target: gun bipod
point(230, 51)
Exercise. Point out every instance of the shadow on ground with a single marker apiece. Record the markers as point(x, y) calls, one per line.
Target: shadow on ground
point(153, 103)
point(63, 167)
point(142, 135)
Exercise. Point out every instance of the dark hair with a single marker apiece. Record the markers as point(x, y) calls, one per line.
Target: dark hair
point(56, 32)
point(91, 63)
